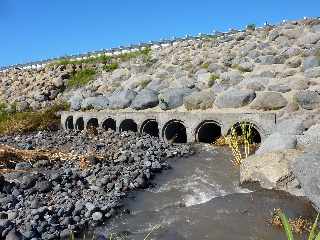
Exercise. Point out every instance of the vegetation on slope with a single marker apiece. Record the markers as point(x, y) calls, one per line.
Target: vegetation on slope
point(81, 78)
point(21, 122)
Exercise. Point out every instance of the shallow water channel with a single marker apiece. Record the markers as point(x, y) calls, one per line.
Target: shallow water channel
point(200, 198)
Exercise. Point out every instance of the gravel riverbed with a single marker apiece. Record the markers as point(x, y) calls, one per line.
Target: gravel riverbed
point(49, 199)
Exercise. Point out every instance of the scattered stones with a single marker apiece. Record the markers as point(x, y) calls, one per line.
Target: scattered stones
point(73, 195)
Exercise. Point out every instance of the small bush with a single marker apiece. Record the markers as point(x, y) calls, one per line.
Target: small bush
point(110, 67)
point(145, 53)
point(81, 78)
point(101, 59)
point(212, 80)
point(205, 65)
point(251, 27)
point(23, 122)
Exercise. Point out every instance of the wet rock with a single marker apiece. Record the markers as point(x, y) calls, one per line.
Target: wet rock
point(277, 142)
point(234, 98)
point(269, 101)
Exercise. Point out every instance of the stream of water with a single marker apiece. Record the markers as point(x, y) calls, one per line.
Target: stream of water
point(200, 198)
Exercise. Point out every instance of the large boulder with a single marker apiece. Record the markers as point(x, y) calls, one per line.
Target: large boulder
point(97, 103)
point(311, 62)
point(230, 78)
point(121, 99)
point(199, 100)
point(271, 170)
point(120, 74)
point(234, 98)
point(291, 126)
point(277, 142)
point(146, 98)
point(279, 88)
point(309, 38)
point(76, 101)
point(172, 97)
point(311, 137)
point(312, 72)
point(269, 101)
point(306, 170)
point(307, 99)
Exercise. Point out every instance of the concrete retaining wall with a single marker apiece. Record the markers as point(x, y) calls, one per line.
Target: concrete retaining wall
point(264, 123)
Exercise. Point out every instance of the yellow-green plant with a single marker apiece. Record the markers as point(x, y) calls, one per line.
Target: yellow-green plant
point(314, 232)
point(236, 141)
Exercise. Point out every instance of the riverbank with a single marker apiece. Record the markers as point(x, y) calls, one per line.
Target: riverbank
point(83, 183)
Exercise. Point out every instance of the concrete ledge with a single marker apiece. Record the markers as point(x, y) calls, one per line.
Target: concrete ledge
point(264, 123)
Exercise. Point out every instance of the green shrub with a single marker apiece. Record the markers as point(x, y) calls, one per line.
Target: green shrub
point(81, 78)
point(99, 59)
point(212, 80)
point(23, 122)
point(144, 53)
point(205, 65)
point(110, 67)
point(251, 26)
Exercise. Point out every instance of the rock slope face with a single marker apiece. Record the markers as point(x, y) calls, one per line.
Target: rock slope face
point(273, 68)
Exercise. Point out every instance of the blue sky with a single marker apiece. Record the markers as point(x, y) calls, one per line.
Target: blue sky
point(38, 29)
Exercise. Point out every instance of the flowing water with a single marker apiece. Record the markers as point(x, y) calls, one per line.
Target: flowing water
point(200, 198)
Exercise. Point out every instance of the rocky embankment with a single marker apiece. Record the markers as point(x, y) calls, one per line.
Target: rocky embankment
point(81, 182)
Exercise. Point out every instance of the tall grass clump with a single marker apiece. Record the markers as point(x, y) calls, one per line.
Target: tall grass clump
point(110, 67)
point(314, 233)
point(81, 78)
point(240, 142)
point(23, 122)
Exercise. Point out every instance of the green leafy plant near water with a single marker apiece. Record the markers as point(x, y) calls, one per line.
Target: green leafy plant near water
point(314, 232)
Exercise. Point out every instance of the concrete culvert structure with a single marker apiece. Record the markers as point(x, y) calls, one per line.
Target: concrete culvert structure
point(208, 132)
point(69, 123)
point(175, 132)
point(255, 135)
point(79, 124)
point(128, 125)
point(109, 124)
point(93, 123)
point(150, 127)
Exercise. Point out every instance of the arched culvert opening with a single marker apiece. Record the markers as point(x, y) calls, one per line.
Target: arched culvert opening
point(93, 123)
point(109, 124)
point(69, 123)
point(208, 132)
point(128, 125)
point(175, 132)
point(150, 127)
point(248, 128)
point(80, 124)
